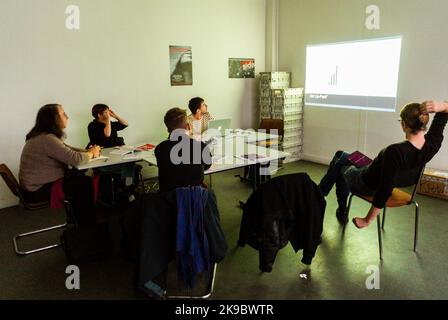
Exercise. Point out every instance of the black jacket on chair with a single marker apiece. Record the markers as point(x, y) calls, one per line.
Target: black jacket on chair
point(286, 208)
point(150, 230)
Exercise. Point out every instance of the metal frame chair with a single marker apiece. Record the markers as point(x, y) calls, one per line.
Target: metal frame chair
point(13, 185)
point(252, 172)
point(183, 292)
point(398, 198)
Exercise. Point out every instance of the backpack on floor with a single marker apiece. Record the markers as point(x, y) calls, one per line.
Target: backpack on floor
point(86, 243)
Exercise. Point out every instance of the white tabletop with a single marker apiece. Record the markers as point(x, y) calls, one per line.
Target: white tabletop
point(229, 155)
point(226, 152)
point(111, 159)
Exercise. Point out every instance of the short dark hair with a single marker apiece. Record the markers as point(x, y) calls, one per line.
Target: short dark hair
point(175, 118)
point(98, 108)
point(413, 117)
point(194, 104)
point(46, 122)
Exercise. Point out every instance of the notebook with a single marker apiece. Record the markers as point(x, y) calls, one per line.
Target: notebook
point(359, 160)
point(103, 158)
point(146, 147)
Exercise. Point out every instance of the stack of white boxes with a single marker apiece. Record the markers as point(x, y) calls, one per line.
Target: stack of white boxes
point(279, 101)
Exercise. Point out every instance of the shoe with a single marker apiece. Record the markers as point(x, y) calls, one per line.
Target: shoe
point(342, 216)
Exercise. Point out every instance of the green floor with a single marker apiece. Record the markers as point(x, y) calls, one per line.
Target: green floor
point(339, 270)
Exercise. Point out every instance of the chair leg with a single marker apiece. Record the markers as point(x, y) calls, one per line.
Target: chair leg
point(416, 225)
point(349, 204)
point(23, 235)
point(384, 218)
point(380, 241)
point(142, 182)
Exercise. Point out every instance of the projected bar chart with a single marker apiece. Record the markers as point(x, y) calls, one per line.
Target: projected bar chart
point(354, 75)
point(334, 78)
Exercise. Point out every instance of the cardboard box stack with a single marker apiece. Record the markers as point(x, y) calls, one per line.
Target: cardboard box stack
point(434, 183)
point(279, 101)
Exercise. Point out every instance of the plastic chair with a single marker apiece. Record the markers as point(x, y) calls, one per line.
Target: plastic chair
point(398, 198)
point(13, 185)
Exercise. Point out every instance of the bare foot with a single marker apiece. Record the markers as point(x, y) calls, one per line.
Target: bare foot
point(360, 222)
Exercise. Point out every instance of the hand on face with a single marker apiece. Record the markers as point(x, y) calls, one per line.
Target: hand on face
point(112, 114)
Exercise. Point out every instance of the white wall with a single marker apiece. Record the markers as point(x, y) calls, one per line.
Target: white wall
point(423, 72)
point(120, 57)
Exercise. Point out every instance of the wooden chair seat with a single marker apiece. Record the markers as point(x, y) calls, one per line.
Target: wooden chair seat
point(397, 199)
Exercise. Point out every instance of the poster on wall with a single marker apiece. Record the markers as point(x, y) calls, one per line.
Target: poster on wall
point(181, 66)
point(241, 68)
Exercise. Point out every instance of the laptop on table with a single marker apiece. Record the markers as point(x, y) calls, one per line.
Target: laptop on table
point(218, 128)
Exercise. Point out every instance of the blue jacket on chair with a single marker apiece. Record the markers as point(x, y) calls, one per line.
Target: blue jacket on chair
point(192, 247)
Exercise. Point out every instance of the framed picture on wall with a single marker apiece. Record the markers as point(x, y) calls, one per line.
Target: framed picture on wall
point(181, 66)
point(241, 68)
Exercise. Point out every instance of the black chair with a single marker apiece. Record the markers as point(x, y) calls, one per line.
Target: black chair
point(154, 216)
point(251, 173)
point(110, 182)
point(397, 199)
point(14, 186)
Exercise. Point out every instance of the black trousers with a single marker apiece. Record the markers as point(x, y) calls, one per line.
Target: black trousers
point(78, 189)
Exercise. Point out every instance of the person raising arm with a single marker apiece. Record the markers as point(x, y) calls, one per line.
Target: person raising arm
point(427, 145)
point(397, 165)
point(102, 131)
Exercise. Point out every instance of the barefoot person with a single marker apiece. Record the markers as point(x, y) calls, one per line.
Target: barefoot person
point(397, 165)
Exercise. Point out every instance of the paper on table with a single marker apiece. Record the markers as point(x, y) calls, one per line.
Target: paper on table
point(250, 156)
point(99, 158)
point(120, 151)
point(131, 156)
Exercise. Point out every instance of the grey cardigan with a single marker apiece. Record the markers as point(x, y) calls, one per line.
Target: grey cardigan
point(44, 160)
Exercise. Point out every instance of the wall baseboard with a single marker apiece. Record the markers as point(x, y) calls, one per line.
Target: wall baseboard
point(314, 158)
point(10, 202)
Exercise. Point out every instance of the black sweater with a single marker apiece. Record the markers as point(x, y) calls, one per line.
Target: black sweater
point(398, 165)
point(190, 172)
point(96, 134)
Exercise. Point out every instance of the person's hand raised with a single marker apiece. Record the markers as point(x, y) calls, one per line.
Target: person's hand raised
point(432, 107)
point(112, 114)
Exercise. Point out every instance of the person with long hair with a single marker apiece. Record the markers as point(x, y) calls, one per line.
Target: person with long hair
point(397, 165)
point(45, 159)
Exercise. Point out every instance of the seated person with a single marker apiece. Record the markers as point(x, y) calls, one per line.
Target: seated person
point(45, 159)
point(103, 131)
point(180, 159)
point(199, 117)
point(397, 165)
